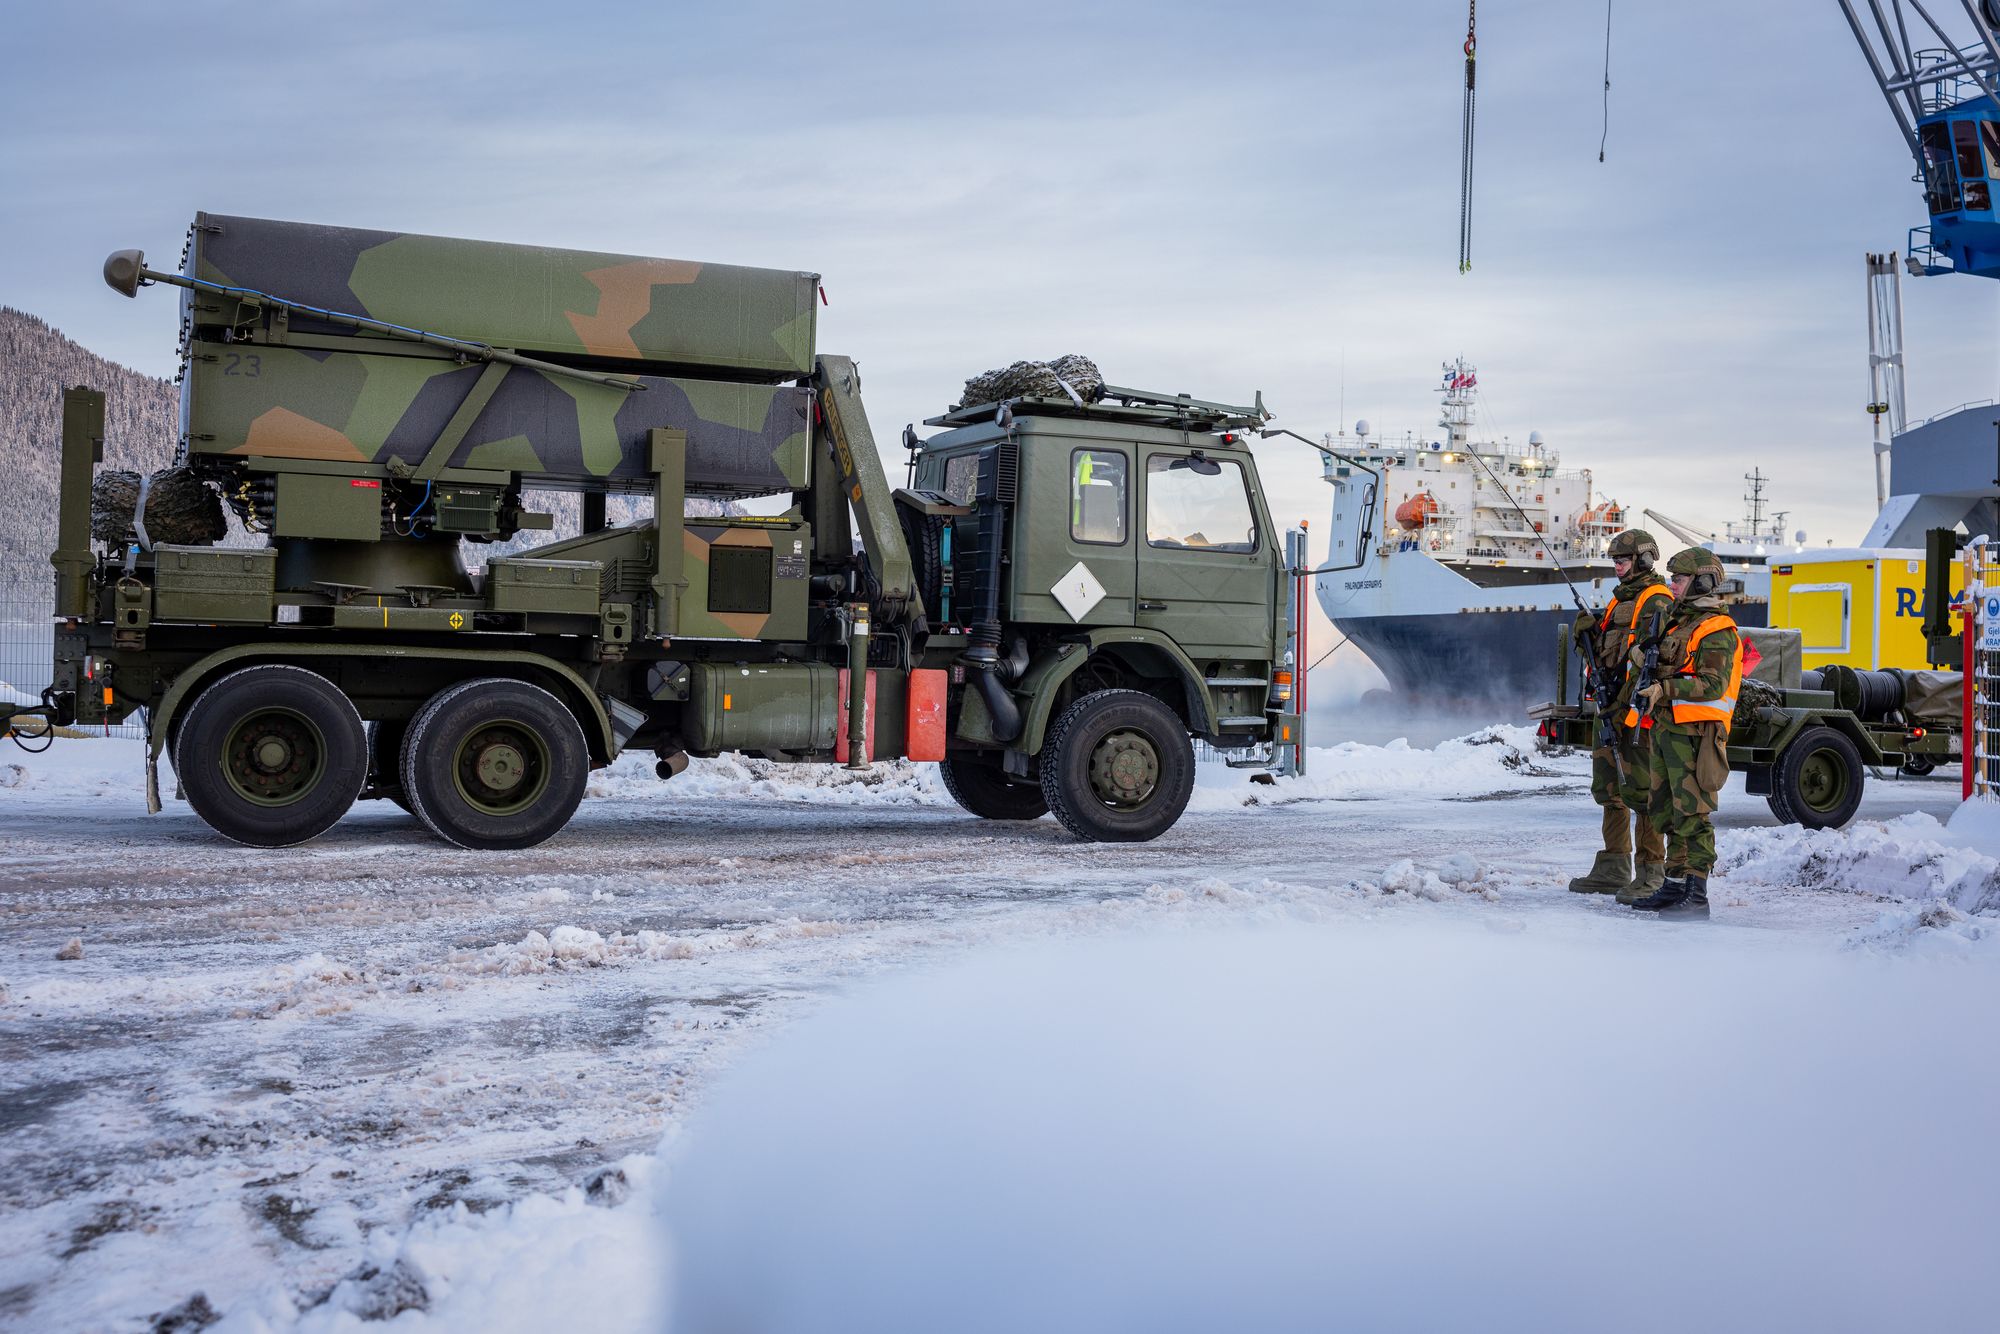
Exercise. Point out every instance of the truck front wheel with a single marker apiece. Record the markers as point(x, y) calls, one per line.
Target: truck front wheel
point(494, 763)
point(1117, 767)
point(979, 785)
point(271, 755)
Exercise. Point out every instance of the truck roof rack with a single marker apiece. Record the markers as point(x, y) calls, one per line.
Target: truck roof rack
point(1116, 403)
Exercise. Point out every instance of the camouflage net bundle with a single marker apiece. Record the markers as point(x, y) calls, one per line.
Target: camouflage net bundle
point(1036, 379)
point(179, 508)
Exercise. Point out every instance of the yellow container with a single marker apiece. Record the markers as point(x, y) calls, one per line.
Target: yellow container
point(1855, 606)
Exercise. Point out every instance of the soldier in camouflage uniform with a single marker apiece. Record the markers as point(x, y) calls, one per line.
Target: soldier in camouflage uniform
point(1700, 673)
point(1636, 604)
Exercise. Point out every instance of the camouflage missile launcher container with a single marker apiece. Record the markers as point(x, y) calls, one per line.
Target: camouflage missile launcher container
point(1068, 592)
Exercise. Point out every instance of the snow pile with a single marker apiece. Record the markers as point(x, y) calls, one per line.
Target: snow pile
point(1492, 762)
point(1374, 1128)
point(887, 782)
point(1457, 875)
point(567, 947)
point(1908, 859)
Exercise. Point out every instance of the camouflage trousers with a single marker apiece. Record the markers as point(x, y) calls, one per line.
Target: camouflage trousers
point(1690, 765)
point(1622, 802)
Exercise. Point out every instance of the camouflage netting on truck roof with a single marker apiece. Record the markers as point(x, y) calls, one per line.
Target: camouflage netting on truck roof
point(179, 508)
point(1036, 379)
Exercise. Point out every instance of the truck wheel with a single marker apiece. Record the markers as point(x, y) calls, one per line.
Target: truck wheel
point(1818, 779)
point(385, 758)
point(494, 763)
point(271, 755)
point(978, 785)
point(1117, 767)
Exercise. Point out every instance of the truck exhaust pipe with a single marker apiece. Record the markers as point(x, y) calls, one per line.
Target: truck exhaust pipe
point(987, 667)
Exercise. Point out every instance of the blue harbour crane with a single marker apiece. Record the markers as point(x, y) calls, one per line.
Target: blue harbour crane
point(1944, 91)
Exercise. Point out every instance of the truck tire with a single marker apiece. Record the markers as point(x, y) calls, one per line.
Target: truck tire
point(271, 755)
point(494, 763)
point(981, 788)
point(1117, 767)
point(1818, 780)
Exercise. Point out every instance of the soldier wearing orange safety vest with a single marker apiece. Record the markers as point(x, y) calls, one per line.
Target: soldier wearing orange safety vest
point(1622, 784)
point(1689, 706)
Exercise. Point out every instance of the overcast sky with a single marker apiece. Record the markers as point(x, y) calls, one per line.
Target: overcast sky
point(1215, 199)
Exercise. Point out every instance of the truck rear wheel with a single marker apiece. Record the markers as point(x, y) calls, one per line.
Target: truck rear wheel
point(1117, 767)
point(981, 788)
point(494, 763)
point(1817, 781)
point(271, 755)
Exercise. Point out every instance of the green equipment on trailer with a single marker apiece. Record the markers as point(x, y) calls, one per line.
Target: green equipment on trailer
point(1067, 591)
point(1805, 740)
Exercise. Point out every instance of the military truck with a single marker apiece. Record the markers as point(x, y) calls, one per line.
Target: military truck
point(1804, 740)
point(1067, 590)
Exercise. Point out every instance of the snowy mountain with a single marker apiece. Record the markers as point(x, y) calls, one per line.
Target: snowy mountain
point(36, 364)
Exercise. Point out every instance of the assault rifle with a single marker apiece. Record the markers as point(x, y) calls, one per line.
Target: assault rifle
point(1603, 691)
point(1649, 664)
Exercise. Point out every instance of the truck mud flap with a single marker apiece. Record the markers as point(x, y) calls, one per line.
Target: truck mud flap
point(1757, 780)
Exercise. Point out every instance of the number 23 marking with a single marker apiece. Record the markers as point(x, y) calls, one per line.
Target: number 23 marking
point(237, 363)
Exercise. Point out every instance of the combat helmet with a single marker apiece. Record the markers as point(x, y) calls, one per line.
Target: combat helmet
point(1701, 563)
point(1639, 544)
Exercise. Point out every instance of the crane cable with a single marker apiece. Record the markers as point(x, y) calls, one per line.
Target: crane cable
point(1465, 149)
point(1607, 82)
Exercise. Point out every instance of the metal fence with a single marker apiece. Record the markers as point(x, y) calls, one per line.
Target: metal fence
point(27, 643)
point(1982, 687)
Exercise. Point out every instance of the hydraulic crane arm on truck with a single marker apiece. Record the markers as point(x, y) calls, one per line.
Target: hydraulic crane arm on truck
point(1068, 593)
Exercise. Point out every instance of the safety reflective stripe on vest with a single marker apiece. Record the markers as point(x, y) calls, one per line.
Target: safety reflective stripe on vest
point(1719, 709)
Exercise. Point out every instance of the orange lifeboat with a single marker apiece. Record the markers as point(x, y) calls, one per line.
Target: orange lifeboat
point(1417, 511)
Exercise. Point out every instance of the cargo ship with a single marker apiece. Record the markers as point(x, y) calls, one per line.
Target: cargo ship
point(1446, 555)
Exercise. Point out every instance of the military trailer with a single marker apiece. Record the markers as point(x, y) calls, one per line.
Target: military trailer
point(1805, 740)
point(1065, 593)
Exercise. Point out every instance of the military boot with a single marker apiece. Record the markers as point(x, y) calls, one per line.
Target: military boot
point(1608, 874)
point(1694, 907)
point(1671, 891)
point(1651, 875)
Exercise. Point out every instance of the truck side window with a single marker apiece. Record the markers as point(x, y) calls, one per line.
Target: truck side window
point(1196, 508)
point(1097, 496)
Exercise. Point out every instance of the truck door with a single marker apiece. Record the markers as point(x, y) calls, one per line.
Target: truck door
point(1205, 569)
point(1076, 566)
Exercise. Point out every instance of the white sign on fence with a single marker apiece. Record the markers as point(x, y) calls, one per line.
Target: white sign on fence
point(1989, 623)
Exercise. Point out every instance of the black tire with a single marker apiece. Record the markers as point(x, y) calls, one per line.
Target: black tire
point(1918, 766)
point(978, 784)
point(1117, 767)
point(1818, 780)
point(385, 758)
point(274, 755)
point(494, 764)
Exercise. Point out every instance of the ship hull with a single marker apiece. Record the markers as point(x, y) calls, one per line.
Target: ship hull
point(1498, 660)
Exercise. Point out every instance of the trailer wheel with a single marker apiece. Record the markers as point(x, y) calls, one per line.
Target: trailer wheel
point(1117, 767)
point(1917, 766)
point(1818, 780)
point(494, 763)
point(980, 787)
point(271, 755)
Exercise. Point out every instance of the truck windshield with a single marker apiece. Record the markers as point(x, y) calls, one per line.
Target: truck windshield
point(1198, 510)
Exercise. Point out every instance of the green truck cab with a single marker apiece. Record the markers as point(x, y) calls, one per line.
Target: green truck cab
point(1065, 594)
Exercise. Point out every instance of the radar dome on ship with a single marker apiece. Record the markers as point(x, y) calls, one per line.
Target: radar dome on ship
point(1535, 438)
point(1361, 428)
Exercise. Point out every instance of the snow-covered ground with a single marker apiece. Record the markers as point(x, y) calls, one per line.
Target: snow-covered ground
point(378, 1075)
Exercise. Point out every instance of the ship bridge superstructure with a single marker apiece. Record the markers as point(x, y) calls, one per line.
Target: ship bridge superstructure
point(1494, 511)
